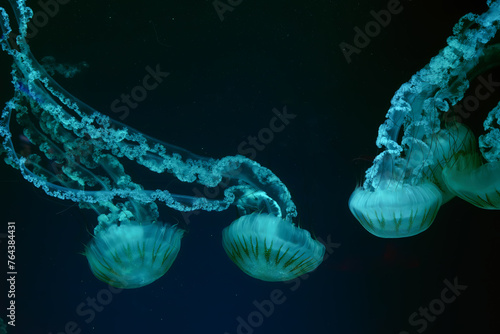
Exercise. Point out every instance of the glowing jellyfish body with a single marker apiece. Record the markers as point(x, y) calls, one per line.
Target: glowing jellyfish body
point(396, 212)
point(270, 249)
point(81, 157)
point(479, 186)
point(471, 179)
point(432, 160)
point(130, 255)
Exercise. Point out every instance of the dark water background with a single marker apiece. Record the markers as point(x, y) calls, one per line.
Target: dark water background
point(225, 79)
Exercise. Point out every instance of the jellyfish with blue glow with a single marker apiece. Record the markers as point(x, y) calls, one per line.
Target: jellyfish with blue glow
point(471, 179)
point(82, 156)
point(426, 161)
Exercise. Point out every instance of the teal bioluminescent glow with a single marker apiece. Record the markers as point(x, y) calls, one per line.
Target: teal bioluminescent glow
point(428, 157)
point(131, 247)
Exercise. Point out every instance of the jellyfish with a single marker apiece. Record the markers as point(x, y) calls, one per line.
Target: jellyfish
point(270, 249)
point(83, 156)
point(427, 159)
point(472, 179)
point(133, 253)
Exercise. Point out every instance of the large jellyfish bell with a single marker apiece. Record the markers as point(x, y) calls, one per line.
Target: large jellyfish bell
point(434, 161)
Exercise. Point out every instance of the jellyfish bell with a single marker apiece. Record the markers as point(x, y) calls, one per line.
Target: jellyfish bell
point(478, 185)
point(271, 249)
point(251, 200)
point(475, 177)
point(131, 255)
point(396, 212)
point(395, 204)
point(444, 147)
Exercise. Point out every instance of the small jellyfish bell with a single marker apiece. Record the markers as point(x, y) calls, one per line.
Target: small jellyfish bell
point(131, 255)
point(252, 200)
point(445, 146)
